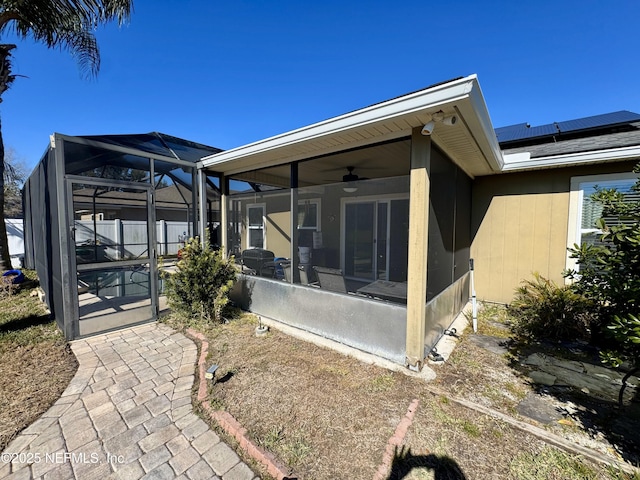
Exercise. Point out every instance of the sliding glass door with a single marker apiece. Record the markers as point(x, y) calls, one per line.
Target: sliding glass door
point(375, 239)
point(360, 238)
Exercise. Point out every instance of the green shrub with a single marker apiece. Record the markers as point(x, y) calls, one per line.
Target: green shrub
point(201, 283)
point(609, 275)
point(542, 309)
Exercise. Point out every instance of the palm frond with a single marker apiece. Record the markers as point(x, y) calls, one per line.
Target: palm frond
point(66, 24)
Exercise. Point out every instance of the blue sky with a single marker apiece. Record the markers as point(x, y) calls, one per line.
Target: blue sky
point(229, 73)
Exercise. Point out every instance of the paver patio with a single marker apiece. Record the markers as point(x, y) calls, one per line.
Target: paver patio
point(126, 414)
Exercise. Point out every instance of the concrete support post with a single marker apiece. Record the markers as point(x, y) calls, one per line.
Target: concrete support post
point(418, 248)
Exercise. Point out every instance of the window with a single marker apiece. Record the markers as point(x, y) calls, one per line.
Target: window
point(583, 211)
point(309, 215)
point(255, 226)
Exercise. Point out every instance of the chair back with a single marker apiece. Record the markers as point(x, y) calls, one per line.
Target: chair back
point(259, 260)
point(331, 279)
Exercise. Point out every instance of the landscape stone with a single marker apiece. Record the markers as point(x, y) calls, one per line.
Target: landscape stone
point(542, 378)
point(539, 409)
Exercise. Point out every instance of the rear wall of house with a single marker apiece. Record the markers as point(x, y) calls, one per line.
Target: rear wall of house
point(520, 225)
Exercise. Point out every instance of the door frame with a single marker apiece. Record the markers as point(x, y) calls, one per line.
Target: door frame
point(375, 199)
point(151, 260)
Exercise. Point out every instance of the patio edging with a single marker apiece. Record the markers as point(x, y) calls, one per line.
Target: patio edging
point(229, 424)
point(396, 440)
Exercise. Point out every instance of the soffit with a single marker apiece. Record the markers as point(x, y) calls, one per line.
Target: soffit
point(471, 143)
point(389, 159)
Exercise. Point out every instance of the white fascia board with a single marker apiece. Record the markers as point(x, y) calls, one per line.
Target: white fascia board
point(488, 138)
point(525, 162)
point(397, 107)
point(516, 158)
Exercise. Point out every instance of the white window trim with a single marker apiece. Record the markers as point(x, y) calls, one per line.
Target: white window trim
point(312, 201)
point(576, 197)
point(262, 206)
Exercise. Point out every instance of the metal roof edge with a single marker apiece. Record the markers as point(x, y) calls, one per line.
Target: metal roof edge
point(84, 140)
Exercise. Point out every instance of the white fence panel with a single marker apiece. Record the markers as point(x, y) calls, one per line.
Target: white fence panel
point(135, 239)
point(15, 235)
point(177, 234)
point(107, 235)
point(127, 239)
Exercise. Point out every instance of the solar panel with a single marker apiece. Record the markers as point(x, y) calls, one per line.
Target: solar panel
point(596, 121)
point(522, 131)
point(504, 134)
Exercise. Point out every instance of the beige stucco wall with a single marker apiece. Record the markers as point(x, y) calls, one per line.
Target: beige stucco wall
point(277, 222)
point(519, 226)
point(278, 232)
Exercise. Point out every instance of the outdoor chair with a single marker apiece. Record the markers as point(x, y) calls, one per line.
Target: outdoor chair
point(257, 261)
point(330, 279)
point(280, 264)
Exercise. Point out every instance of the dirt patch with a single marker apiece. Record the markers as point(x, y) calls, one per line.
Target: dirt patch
point(329, 416)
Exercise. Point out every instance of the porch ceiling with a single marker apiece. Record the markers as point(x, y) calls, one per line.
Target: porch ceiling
point(471, 142)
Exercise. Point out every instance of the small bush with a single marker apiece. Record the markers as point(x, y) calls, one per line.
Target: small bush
point(542, 309)
point(609, 275)
point(200, 286)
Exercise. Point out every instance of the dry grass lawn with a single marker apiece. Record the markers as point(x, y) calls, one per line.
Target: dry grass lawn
point(328, 416)
point(322, 414)
point(36, 363)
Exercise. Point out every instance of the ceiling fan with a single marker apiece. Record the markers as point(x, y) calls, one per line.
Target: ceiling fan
point(351, 177)
point(349, 180)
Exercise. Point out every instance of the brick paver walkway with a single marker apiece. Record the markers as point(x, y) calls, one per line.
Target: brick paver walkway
point(126, 414)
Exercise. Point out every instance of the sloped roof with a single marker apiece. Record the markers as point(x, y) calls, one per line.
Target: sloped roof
point(470, 143)
point(583, 144)
point(159, 144)
point(609, 137)
point(525, 133)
